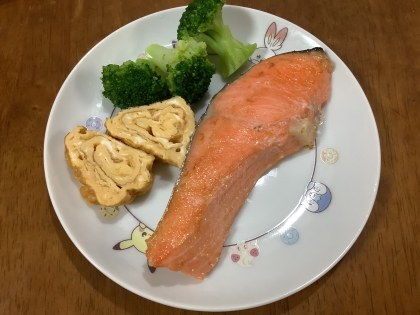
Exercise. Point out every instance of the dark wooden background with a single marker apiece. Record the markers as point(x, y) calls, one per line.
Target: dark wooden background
point(42, 272)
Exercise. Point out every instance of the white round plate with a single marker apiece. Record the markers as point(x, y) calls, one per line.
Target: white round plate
point(317, 229)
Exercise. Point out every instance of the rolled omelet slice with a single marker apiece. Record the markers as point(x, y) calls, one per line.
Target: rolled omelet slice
point(111, 172)
point(163, 129)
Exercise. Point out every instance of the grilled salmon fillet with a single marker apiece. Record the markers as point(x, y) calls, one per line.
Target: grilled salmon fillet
point(268, 113)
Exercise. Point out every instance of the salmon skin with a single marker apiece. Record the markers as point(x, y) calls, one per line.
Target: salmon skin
point(250, 125)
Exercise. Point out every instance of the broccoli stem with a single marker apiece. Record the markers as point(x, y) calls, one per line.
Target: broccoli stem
point(160, 56)
point(232, 52)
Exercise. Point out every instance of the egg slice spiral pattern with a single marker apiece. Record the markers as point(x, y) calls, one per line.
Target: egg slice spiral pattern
point(111, 172)
point(162, 129)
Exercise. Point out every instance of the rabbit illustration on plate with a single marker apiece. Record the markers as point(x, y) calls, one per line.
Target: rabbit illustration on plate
point(272, 42)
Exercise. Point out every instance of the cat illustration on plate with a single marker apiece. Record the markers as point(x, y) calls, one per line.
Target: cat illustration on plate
point(316, 198)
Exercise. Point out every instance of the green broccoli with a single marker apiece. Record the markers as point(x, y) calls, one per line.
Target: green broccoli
point(133, 84)
point(184, 71)
point(186, 68)
point(202, 20)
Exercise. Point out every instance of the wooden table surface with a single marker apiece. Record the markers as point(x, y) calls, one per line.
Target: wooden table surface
point(42, 272)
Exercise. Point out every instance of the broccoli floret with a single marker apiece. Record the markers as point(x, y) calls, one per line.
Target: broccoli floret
point(185, 68)
point(133, 84)
point(202, 20)
point(184, 71)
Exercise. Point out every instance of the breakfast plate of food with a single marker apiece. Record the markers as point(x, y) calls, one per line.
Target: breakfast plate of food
point(234, 185)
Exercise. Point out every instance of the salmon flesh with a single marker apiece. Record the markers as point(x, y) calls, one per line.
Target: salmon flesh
point(268, 113)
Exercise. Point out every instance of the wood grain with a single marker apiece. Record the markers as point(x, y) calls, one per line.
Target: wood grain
point(42, 272)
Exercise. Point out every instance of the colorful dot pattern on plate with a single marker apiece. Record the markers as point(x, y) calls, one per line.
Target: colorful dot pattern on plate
point(94, 123)
point(329, 156)
point(289, 236)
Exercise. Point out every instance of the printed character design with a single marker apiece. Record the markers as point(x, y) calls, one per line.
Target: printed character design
point(272, 43)
point(317, 197)
point(138, 239)
point(244, 253)
point(109, 212)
